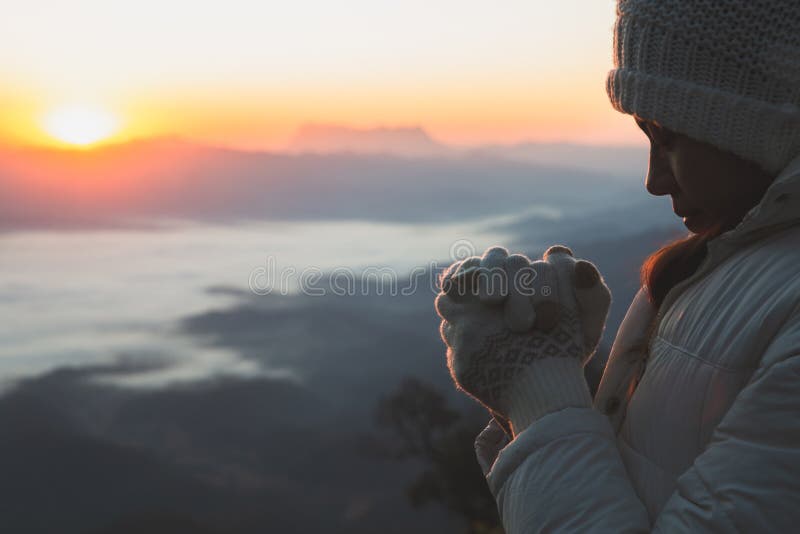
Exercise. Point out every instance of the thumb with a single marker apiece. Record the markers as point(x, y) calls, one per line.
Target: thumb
point(594, 299)
point(488, 445)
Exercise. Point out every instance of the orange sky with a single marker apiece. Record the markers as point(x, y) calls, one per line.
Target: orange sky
point(246, 74)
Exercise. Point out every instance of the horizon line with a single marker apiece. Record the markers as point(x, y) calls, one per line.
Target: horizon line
point(56, 146)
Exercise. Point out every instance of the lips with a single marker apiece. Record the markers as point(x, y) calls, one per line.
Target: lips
point(684, 213)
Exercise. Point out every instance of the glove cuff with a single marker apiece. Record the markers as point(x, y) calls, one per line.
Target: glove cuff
point(548, 385)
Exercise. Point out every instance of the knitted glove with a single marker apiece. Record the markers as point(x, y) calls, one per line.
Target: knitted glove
point(520, 348)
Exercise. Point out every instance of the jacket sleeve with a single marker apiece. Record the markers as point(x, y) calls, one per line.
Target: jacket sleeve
point(564, 473)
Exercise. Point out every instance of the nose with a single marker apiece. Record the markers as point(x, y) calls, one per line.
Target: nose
point(660, 180)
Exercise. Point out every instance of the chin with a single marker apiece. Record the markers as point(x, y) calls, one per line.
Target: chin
point(696, 224)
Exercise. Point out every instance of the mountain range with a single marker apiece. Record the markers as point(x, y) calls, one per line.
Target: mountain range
point(143, 180)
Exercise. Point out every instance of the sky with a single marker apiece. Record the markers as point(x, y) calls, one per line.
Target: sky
point(248, 73)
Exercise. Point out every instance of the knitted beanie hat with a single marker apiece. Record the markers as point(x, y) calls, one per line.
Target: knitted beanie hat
point(726, 72)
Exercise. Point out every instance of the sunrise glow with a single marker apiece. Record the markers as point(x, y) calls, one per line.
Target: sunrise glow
point(79, 125)
point(533, 71)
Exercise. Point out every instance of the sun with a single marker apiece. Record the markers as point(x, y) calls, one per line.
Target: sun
point(79, 125)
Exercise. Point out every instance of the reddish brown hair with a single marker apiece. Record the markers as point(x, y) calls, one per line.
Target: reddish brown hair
point(673, 263)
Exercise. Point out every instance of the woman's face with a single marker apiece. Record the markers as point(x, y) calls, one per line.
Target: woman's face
point(709, 187)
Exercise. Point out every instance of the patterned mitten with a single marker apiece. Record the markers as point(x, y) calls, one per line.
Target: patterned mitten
point(520, 348)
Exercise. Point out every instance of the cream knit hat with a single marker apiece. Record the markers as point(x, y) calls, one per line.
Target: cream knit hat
point(726, 72)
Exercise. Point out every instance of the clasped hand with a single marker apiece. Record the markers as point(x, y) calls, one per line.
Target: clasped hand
point(518, 332)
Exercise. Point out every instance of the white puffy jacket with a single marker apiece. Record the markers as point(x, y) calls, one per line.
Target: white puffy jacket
point(703, 436)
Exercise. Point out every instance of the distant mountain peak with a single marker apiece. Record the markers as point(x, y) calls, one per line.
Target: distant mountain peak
point(334, 138)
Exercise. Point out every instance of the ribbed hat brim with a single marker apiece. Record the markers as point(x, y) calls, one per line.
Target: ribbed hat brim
point(765, 133)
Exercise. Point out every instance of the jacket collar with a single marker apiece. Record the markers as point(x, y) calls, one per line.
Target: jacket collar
point(779, 208)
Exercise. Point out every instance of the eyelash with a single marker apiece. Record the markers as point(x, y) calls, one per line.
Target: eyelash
point(658, 145)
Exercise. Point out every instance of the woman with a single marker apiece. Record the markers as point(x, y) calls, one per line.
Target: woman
point(696, 423)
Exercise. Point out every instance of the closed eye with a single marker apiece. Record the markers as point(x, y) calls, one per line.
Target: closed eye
point(660, 139)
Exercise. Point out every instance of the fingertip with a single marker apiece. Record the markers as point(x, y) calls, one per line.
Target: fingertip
point(586, 274)
point(437, 303)
point(494, 252)
point(449, 272)
point(596, 293)
point(469, 263)
point(517, 261)
point(458, 279)
point(445, 306)
point(443, 326)
point(557, 249)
